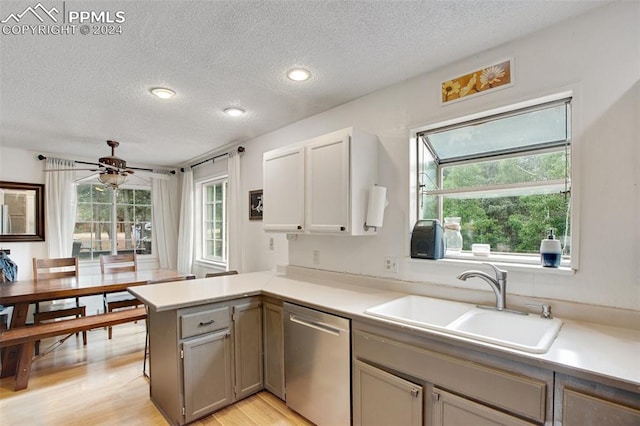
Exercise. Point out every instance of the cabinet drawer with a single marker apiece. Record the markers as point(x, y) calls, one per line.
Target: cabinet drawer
point(206, 321)
point(510, 391)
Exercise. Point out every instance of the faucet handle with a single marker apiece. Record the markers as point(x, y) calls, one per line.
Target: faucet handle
point(545, 309)
point(500, 273)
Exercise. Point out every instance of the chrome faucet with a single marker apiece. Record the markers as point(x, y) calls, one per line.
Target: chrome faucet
point(498, 284)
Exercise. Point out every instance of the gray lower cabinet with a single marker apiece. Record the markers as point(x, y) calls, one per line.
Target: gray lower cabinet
point(247, 323)
point(381, 398)
point(581, 402)
point(452, 410)
point(203, 358)
point(207, 367)
point(461, 388)
point(273, 333)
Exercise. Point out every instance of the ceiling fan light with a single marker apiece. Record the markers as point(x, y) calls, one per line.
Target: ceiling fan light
point(114, 180)
point(234, 112)
point(299, 74)
point(163, 92)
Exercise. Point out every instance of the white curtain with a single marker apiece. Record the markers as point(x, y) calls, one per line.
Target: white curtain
point(185, 232)
point(60, 196)
point(164, 202)
point(234, 199)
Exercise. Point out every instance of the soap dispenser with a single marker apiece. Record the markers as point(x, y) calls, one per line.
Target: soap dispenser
point(550, 251)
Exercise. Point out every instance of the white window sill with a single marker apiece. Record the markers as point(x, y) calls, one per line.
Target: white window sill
point(516, 263)
point(211, 263)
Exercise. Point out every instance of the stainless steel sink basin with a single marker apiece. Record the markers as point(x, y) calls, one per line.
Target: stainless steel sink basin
point(525, 332)
point(421, 311)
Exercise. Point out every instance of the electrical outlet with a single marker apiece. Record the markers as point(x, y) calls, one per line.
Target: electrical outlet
point(316, 257)
point(391, 264)
point(271, 244)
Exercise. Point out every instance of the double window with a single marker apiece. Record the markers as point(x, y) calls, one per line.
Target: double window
point(213, 247)
point(93, 234)
point(505, 177)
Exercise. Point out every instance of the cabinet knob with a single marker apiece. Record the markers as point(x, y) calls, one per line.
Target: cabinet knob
point(299, 226)
point(342, 228)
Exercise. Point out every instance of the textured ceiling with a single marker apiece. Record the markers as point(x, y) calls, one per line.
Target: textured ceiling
point(67, 94)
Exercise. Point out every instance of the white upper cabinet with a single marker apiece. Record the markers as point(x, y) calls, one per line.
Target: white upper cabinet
point(283, 192)
point(336, 172)
point(327, 183)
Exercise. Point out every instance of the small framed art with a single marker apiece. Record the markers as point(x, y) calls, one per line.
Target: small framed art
point(255, 205)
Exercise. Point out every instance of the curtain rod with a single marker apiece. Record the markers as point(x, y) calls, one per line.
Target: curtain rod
point(213, 159)
point(173, 172)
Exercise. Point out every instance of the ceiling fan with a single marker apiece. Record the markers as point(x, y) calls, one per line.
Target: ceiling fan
point(112, 170)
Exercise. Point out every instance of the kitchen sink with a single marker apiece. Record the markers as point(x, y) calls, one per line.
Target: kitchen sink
point(525, 332)
point(522, 331)
point(421, 311)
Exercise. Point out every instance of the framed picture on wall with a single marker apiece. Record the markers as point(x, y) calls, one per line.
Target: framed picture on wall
point(482, 80)
point(255, 205)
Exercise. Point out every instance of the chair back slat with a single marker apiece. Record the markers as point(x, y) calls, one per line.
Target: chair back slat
point(47, 269)
point(220, 274)
point(127, 262)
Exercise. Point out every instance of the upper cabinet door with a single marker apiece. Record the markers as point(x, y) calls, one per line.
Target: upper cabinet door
point(283, 193)
point(327, 189)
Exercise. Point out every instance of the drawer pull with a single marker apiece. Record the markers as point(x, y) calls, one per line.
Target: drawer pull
point(205, 323)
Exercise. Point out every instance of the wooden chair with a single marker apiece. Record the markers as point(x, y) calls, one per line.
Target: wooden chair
point(113, 263)
point(220, 274)
point(46, 269)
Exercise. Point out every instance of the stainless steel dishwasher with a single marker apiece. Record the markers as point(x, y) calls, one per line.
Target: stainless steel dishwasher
point(317, 355)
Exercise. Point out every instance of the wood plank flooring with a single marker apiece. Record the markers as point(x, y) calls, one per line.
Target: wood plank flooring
point(102, 384)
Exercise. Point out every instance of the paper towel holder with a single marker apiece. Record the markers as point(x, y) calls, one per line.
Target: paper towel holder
point(375, 208)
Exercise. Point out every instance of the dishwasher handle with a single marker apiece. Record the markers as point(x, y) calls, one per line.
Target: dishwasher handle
point(320, 326)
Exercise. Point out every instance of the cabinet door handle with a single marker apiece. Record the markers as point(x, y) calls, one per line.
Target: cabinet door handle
point(205, 323)
point(435, 396)
point(415, 393)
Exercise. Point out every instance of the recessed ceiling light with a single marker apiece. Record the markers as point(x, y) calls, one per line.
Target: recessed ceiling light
point(163, 92)
point(298, 74)
point(234, 112)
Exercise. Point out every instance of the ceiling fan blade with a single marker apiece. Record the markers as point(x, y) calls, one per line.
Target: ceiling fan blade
point(87, 178)
point(70, 170)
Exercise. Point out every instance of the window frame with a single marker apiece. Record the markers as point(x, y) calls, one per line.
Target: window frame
point(512, 259)
point(200, 226)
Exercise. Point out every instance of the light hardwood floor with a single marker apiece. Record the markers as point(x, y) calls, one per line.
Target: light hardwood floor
point(102, 384)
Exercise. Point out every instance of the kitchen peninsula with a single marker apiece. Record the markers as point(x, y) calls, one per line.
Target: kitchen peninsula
point(588, 366)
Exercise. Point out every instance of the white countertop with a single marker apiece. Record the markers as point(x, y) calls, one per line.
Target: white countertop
point(610, 352)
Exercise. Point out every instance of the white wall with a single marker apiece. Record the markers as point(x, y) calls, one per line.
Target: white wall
point(597, 56)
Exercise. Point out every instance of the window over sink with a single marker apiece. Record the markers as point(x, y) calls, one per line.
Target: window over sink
point(502, 178)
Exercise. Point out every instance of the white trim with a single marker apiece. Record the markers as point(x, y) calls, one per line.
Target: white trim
point(199, 219)
point(494, 111)
point(501, 190)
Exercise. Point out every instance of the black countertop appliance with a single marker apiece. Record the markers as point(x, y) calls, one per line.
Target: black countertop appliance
point(427, 240)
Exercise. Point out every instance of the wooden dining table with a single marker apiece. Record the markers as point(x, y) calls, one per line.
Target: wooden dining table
point(20, 294)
